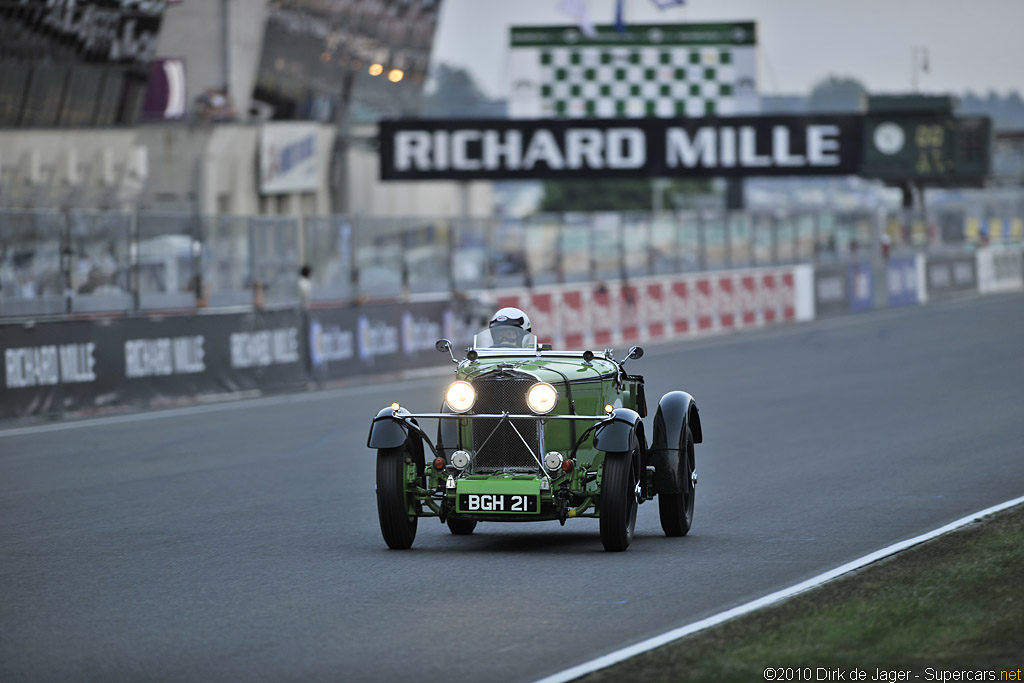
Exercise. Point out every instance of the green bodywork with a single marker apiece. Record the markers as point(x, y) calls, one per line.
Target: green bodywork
point(562, 494)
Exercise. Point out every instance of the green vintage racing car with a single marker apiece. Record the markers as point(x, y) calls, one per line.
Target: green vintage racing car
point(528, 434)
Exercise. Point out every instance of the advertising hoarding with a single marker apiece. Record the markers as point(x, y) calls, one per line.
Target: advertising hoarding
point(861, 286)
point(288, 158)
point(902, 281)
point(624, 148)
point(78, 365)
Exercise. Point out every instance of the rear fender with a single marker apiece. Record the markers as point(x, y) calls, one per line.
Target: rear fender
point(677, 411)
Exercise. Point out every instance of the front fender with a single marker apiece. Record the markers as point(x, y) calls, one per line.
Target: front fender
point(616, 436)
point(677, 411)
point(387, 430)
point(613, 436)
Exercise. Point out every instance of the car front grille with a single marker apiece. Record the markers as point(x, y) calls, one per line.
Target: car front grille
point(504, 450)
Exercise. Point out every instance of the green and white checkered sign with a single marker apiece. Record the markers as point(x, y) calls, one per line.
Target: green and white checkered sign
point(665, 71)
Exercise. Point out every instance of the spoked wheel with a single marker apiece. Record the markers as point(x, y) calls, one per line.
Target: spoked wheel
point(461, 527)
point(620, 492)
point(397, 521)
point(677, 508)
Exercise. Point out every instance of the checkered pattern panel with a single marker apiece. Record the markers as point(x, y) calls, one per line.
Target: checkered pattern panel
point(668, 81)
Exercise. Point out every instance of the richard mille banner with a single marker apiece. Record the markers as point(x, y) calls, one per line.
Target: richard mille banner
point(593, 148)
point(60, 366)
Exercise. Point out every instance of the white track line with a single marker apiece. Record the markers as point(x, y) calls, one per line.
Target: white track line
point(683, 631)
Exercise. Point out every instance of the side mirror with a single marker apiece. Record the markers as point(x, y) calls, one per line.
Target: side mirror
point(634, 352)
point(588, 356)
point(443, 345)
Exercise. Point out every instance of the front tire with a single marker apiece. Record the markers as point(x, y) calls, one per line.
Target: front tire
point(397, 525)
point(676, 509)
point(461, 527)
point(620, 489)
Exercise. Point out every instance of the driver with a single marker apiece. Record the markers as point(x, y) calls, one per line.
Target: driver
point(509, 326)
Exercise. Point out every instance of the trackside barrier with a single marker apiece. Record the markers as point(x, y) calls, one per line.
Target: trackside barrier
point(948, 275)
point(910, 279)
point(1000, 269)
point(598, 315)
point(905, 280)
point(91, 365)
point(99, 364)
point(861, 285)
point(359, 340)
point(831, 290)
point(841, 288)
point(76, 365)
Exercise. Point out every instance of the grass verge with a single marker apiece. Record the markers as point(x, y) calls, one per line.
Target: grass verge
point(953, 604)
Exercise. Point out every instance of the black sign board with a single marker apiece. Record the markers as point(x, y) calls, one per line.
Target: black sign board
point(591, 148)
point(831, 289)
point(951, 274)
point(63, 366)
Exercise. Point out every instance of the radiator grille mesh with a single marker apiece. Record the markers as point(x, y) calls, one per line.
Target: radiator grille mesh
point(505, 450)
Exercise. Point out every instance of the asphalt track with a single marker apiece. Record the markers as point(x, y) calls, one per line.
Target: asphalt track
point(240, 543)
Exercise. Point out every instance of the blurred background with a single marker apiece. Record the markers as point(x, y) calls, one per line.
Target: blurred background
point(166, 154)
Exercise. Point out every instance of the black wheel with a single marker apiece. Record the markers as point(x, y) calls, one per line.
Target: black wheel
point(461, 527)
point(620, 490)
point(676, 509)
point(397, 524)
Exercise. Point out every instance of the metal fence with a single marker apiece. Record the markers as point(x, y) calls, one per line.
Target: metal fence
point(70, 262)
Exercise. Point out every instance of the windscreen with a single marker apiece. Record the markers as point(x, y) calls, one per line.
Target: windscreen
point(505, 338)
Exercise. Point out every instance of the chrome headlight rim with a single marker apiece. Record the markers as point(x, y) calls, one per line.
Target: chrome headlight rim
point(457, 402)
point(543, 387)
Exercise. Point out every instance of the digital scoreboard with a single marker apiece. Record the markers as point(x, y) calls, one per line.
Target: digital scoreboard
point(926, 149)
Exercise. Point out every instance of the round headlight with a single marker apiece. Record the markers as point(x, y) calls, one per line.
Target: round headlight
point(460, 396)
point(542, 398)
point(460, 459)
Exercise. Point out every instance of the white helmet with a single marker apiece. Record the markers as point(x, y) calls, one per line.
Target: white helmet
point(509, 326)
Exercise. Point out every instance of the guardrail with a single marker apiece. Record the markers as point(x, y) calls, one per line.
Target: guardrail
point(83, 263)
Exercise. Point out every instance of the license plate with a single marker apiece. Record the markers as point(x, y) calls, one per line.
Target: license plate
point(498, 503)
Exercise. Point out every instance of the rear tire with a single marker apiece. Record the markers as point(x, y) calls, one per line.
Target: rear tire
point(461, 527)
point(620, 488)
point(676, 509)
point(396, 524)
